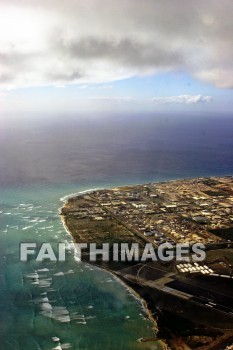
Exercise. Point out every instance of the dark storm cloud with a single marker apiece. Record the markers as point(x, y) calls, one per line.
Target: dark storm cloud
point(127, 51)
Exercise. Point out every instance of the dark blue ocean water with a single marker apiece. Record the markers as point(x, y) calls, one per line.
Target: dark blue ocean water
point(42, 160)
point(104, 149)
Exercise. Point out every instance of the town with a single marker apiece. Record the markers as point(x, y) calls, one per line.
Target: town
point(180, 211)
point(188, 212)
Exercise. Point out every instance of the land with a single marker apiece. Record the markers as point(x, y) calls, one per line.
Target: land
point(191, 302)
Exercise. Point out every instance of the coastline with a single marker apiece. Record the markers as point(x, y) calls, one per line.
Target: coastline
point(175, 341)
point(135, 295)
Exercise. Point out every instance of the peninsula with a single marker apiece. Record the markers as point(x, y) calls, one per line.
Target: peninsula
point(191, 301)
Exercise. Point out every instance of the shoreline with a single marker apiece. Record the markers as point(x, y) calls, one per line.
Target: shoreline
point(67, 197)
point(135, 295)
point(142, 298)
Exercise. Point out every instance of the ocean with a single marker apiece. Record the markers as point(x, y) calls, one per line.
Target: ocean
point(73, 305)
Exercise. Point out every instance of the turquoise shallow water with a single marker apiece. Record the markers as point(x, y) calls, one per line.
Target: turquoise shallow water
point(84, 307)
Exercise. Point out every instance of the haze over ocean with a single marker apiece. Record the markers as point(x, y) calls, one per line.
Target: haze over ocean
point(42, 161)
point(87, 150)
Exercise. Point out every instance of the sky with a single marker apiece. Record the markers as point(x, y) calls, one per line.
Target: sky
point(116, 55)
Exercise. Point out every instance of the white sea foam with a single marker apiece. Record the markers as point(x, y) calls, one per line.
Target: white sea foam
point(59, 273)
point(45, 283)
point(46, 306)
point(66, 346)
point(26, 227)
point(45, 299)
point(61, 314)
point(76, 258)
point(55, 339)
point(36, 282)
point(68, 196)
point(32, 275)
point(109, 280)
point(78, 317)
point(58, 313)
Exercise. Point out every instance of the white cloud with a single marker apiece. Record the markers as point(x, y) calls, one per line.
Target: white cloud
point(221, 77)
point(3, 94)
point(99, 41)
point(186, 99)
point(105, 87)
point(116, 99)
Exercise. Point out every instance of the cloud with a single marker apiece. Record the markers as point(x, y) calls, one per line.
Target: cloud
point(186, 99)
point(116, 99)
point(126, 52)
point(3, 94)
point(99, 41)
